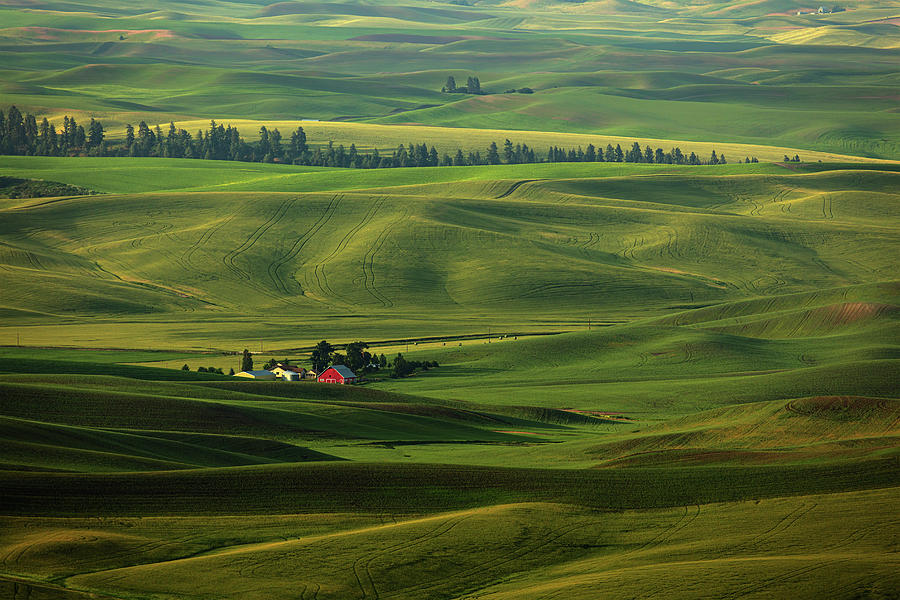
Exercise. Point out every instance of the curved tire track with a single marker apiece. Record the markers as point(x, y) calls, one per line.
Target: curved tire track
point(228, 259)
point(300, 243)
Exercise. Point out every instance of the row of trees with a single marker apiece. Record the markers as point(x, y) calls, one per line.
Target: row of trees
point(22, 135)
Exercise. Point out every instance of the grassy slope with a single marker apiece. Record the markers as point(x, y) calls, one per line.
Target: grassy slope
point(754, 77)
point(767, 547)
point(834, 342)
point(598, 236)
point(788, 487)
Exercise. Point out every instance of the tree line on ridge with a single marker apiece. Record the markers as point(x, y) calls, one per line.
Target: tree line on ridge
point(22, 135)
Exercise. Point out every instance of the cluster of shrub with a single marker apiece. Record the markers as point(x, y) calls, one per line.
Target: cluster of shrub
point(13, 187)
point(23, 136)
point(207, 370)
point(401, 367)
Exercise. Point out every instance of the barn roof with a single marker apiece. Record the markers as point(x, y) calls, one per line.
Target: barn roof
point(344, 371)
point(259, 373)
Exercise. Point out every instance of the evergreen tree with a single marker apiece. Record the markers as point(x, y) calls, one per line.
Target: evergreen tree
point(493, 156)
point(95, 134)
point(15, 131)
point(509, 153)
point(713, 159)
point(634, 155)
point(620, 156)
point(80, 137)
point(31, 134)
point(247, 361)
point(450, 86)
point(276, 148)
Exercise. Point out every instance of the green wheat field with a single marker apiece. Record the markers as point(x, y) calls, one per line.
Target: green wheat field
point(655, 380)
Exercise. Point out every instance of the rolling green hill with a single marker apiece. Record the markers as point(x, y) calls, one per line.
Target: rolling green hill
point(447, 244)
point(732, 72)
point(654, 381)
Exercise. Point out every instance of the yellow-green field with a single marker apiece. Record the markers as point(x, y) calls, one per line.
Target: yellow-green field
point(643, 380)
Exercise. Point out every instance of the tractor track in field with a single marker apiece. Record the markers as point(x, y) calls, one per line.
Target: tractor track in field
point(204, 238)
point(686, 520)
point(629, 247)
point(859, 534)
point(496, 562)
point(228, 259)
point(781, 194)
point(782, 525)
point(319, 268)
point(314, 592)
point(300, 243)
point(369, 264)
point(515, 186)
point(362, 566)
point(767, 582)
point(827, 211)
point(551, 287)
point(593, 240)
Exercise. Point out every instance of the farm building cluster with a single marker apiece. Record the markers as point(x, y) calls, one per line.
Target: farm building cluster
point(285, 372)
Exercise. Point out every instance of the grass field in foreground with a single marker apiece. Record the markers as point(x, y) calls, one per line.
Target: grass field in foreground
point(197, 483)
point(803, 546)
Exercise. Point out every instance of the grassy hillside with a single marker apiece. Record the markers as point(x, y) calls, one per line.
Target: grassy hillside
point(384, 485)
point(753, 73)
point(442, 243)
point(556, 548)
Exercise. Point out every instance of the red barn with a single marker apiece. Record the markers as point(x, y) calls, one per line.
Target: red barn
point(337, 374)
